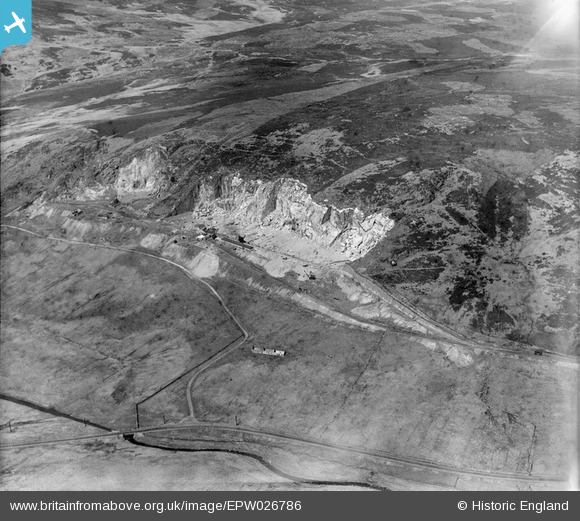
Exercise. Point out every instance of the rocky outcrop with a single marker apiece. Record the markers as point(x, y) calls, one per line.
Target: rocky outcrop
point(144, 173)
point(286, 203)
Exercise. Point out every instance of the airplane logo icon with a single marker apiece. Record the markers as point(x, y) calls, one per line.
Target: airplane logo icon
point(23, 20)
point(18, 22)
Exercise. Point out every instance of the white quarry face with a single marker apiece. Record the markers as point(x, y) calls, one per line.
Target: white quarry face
point(143, 174)
point(286, 204)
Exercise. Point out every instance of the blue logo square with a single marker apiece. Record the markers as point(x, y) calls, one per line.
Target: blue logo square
point(15, 22)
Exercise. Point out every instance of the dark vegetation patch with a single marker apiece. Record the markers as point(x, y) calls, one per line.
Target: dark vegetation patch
point(503, 210)
point(467, 289)
point(6, 69)
point(73, 93)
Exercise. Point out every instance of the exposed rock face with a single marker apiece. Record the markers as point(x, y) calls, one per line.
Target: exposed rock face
point(287, 203)
point(143, 173)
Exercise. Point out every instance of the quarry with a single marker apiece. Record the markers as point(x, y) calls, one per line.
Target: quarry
point(291, 246)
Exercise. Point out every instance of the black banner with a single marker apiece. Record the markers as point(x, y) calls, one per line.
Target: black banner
point(289, 505)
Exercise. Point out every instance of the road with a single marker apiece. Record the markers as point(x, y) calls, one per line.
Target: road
point(412, 463)
point(436, 330)
point(221, 428)
point(212, 359)
point(450, 337)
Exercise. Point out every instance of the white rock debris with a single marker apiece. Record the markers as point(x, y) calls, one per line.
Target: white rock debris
point(286, 203)
point(143, 173)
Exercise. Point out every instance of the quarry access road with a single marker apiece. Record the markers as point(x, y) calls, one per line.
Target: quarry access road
point(433, 330)
point(205, 365)
point(209, 361)
point(463, 342)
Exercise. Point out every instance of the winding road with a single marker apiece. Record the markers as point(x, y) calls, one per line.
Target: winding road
point(196, 424)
